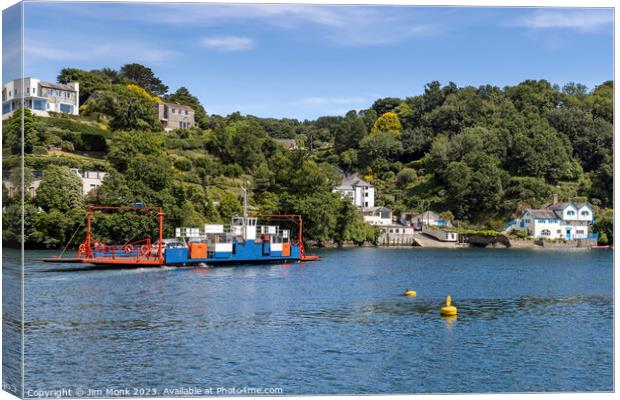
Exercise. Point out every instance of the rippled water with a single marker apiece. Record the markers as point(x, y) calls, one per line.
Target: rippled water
point(528, 321)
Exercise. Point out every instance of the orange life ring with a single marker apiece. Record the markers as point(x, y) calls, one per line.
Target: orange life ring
point(146, 251)
point(128, 249)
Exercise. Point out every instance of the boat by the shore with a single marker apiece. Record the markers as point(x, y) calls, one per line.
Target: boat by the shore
point(244, 241)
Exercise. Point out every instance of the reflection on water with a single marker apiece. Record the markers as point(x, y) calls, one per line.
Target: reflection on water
point(527, 321)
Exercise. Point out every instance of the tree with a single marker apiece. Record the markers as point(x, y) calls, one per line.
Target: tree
point(12, 142)
point(604, 226)
point(380, 145)
point(385, 105)
point(144, 77)
point(126, 145)
point(387, 122)
point(127, 108)
point(349, 132)
point(60, 189)
point(229, 206)
point(405, 177)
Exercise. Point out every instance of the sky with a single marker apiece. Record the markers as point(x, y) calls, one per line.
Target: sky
point(305, 61)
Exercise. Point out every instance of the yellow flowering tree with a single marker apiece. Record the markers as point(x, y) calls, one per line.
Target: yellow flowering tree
point(387, 122)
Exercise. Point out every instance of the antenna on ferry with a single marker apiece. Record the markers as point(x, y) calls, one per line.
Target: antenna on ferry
point(245, 203)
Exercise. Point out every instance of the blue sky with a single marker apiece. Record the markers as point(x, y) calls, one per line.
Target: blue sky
point(304, 61)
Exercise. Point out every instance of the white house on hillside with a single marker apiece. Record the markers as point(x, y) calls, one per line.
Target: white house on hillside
point(377, 215)
point(90, 180)
point(361, 193)
point(40, 97)
point(557, 221)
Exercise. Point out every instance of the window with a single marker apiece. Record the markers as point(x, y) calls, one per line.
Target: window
point(34, 90)
point(366, 204)
point(6, 108)
point(570, 213)
point(585, 213)
point(559, 231)
point(545, 232)
point(39, 104)
point(366, 194)
point(49, 92)
point(66, 108)
point(580, 231)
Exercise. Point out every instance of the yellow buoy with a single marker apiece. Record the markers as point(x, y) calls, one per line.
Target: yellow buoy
point(448, 309)
point(410, 293)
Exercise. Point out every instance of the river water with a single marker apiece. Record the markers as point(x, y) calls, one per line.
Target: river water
point(529, 321)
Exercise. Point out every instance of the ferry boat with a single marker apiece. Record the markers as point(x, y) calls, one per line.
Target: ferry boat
point(244, 241)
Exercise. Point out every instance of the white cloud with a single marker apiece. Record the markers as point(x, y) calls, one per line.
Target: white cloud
point(342, 25)
point(228, 43)
point(583, 20)
point(112, 51)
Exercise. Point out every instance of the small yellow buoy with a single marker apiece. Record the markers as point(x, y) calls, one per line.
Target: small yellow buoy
point(448, 309)
point(410, 293)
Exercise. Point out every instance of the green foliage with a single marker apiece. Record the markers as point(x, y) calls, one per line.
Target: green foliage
point(144, 77)
point(349, 132)
point(126, 145)
point(12, 132)
point(604, 226)
point(405, 177)
point(229, 206)
point(60, 189)
point(477, 154)
point(128, 109)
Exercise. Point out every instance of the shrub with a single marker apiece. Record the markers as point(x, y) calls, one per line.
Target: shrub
point(183, 163)
point(39, 150)
point(67, 146)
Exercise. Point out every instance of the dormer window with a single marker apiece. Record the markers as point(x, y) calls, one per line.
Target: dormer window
point(570, 213)
point(585, 213)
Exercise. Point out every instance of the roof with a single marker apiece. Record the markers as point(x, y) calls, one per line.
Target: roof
point(543, 213)
point(349, 181)
point(60, 86)
point(177, 105)
point(376, 210)
point(427, 215)
point(562, 206)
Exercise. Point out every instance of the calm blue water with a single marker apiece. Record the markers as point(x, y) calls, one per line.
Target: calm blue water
point(529, 320)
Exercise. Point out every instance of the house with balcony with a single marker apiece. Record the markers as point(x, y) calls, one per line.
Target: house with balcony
point(175, 116)
point(568, 220)
point(40, 97)
point(357, 190)
point(427, 218)
point(377, 215)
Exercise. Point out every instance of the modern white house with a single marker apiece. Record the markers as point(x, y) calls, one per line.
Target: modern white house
point(360, 192)
point(427, 218)
point(377, 215)
point(557, 221)
point(90, 181)
point(40, 97)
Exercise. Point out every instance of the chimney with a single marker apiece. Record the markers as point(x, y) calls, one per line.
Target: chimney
point(555, 199)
